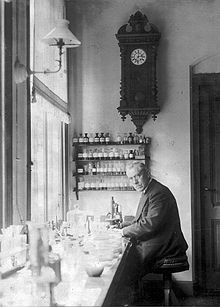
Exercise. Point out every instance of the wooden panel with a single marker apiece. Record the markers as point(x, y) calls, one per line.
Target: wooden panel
point(215, 134)
point(215, 226)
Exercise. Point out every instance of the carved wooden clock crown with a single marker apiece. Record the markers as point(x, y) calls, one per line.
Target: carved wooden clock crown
point(138, 41)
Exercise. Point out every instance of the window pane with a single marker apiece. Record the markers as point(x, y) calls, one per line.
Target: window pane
point(47, 165)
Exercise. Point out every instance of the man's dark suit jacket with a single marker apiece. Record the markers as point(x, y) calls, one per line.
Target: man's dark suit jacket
point(156, 228)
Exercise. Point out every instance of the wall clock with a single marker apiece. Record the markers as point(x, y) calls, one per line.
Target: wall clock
point(138, 41)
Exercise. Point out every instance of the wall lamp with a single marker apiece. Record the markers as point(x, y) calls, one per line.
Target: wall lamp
point(61, 37)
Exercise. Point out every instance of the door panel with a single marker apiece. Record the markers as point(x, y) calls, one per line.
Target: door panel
point(208, 100)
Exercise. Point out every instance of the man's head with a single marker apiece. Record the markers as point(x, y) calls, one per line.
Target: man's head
point(138, 174)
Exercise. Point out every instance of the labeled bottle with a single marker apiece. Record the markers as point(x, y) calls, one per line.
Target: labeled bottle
point(75, 139)
point(116, 153)
point(102, 138)
point(107, 138)
point(119, 139)
point(130, 138)
point(85, 154)
point(81, 138)
point(136, 139)
point(96, 139)
point(131, 154)
point(91, 138)
point(90, 155)
point(94, 170)
point(86, 139)
point(95, 154)
point(126, 154)
point(125, 138)
point(141, 139)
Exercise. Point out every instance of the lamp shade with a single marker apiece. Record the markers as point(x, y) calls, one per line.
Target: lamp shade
point(61, 32)
point(20, 72)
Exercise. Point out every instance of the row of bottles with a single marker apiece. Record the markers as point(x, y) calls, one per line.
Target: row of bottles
point(102, 168)
point(111, 153)
point(102, 184)
point(105, 138)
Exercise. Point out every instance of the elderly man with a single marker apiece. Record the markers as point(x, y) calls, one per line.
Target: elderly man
point(155, 230)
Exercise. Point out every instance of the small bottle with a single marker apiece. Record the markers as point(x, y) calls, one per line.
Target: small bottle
point(92, 185)
point(140, 139)
point(102, 138)
point(131, 154)
point(90, 168)
point(86, 139)
point(119, 139)
point(125, 138)
point(130, 138)
point(80, 170)
point(136, 139)
point(97, 168)
point(80, 155)
point(105, 169)
point(95, 154)
point(116, 153)
point(90, 155)
point(87, 185)
point(81, 139)
point(121, 154)
point(105, 154)
point(101, 169)
point(96, 139)
point(111, 154)
point(85, 154)
point(91, 138)
point(75, 139)
point(94, 170)
point(126, 154)
point(107, 138)
point(81, 184)
point(100, 154)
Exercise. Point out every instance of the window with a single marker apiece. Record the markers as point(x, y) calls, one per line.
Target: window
point(48, 176)
point(49, 117)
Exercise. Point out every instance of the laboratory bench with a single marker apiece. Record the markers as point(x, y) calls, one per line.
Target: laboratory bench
point(73, 287)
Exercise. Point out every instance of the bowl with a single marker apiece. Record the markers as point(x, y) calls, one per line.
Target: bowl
point(94, 269)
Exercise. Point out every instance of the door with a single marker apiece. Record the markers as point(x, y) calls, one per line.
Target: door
point(206, 176)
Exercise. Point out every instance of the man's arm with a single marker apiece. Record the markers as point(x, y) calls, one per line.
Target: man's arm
point(152, 219)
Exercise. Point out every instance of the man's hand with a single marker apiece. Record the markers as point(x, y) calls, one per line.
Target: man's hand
point(117, 230)
point(115, 226)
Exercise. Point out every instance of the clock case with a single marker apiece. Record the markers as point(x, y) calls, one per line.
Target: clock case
point(138, 87)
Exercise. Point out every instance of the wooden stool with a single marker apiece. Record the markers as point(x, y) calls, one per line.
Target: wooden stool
point(166, 267)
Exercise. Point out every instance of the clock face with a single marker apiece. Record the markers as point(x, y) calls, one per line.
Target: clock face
point(138, 56)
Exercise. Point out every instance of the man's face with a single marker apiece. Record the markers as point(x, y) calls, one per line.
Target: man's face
point(139, 179)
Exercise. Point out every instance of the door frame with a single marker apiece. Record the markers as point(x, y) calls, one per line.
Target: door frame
point(198, 265)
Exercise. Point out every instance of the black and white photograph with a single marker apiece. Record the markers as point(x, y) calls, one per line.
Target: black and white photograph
point(109, 153)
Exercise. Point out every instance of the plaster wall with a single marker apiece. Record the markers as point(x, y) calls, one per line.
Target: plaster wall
point(189, 31)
